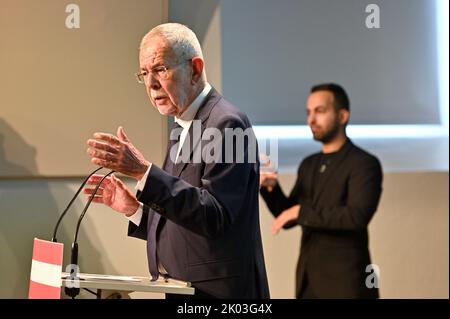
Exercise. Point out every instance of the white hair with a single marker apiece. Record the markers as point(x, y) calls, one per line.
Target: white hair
point(180, 38)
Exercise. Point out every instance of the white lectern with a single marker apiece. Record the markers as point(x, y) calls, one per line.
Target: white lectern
point(126, 283)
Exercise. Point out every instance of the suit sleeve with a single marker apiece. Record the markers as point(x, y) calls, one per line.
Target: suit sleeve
point(208, 210)
point(141, 230)
point(277, 201)
point(364, 191)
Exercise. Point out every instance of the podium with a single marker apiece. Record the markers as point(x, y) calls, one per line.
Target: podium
point(126, 284)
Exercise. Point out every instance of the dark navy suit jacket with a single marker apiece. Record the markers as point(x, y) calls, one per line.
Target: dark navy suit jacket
point(209, 232)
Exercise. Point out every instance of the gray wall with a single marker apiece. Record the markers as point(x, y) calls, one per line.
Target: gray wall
point(279, 49)
point(60, 85)
point(265, 55)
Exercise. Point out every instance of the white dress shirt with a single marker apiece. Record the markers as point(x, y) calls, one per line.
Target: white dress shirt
point(185, 121)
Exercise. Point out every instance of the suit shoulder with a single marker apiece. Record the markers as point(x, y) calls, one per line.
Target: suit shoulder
point(362, 156)
point(308, 161)
point(229, 115)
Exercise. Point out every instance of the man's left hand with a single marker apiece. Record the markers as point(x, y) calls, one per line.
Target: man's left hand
point(117, 153)
point(112, 193)
point(286, 216)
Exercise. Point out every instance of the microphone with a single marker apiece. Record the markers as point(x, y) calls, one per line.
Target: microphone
point(73, 292)
point(70, 204)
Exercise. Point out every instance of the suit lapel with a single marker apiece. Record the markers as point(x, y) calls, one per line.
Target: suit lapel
point(164, 166)
point(194, 139)
point(332, 170)
point(188, 144)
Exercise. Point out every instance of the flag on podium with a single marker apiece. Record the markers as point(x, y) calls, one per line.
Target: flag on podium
point(46, 267)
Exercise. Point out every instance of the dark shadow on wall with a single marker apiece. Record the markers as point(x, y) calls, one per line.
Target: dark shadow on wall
point(17, 158)
point(30, 208)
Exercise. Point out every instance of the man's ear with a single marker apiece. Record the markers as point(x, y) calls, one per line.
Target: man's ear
point(344, 116)
point(197, 69)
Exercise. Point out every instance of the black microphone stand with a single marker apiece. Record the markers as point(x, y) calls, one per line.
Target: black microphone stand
point(70, 204)
point(72, 291)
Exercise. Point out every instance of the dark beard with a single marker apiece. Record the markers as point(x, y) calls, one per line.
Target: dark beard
point(330, 135)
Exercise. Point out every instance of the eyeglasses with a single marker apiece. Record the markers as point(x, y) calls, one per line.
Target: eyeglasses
point(158, 72)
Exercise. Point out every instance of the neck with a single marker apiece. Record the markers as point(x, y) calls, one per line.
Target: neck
point(335, 144)
point(198, 90)
point(194, 95)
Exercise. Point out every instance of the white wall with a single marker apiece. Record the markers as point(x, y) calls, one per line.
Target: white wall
point(408, 237)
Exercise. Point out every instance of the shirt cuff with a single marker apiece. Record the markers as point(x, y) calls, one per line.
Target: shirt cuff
point(136, 217)
point(140, 185)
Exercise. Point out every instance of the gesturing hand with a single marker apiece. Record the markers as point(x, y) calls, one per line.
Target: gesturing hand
point(285, 217)
point(117, 153)
point(268, 180)
point(268, 176)
point(113, 193)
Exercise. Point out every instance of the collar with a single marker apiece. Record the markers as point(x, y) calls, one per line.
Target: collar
point(187, 117)
point(341, 150)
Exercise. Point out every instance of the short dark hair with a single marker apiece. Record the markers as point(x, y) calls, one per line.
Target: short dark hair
point(341, 100)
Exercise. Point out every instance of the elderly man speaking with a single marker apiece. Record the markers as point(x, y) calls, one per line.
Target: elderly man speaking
point(200, 217)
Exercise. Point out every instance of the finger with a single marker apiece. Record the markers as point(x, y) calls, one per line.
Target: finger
point(95, 182)
point(267, 163)
point(275, 229)
point(267, 177)
point(103, 163)
point(277, 225)
point(272, 175)
point(89, 195)
point(118, 182)
point(102, 154)
point(121, 134)
point(90, 191)
point(269, 174)
point(95, 179)
point(99, 176)
point(122, 186)
point(94, 152)
point(268, 180)
point(111, 139)
point(264, 181)
point(102, 146)
point(96, 200)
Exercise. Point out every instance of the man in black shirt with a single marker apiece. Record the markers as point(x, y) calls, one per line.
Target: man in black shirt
point(334, 198)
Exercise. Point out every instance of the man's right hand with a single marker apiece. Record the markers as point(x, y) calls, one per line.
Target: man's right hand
point(268, 177)
point(268, 180)
point(113, 193)
point(117, 153)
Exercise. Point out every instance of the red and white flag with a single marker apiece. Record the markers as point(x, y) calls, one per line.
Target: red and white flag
point(46, 267)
